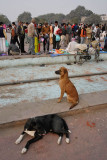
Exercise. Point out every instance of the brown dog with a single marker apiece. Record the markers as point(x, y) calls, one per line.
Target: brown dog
point(67, 87)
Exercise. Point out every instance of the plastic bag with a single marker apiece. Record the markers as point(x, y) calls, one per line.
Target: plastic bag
point(58, 37)
point(7, 43)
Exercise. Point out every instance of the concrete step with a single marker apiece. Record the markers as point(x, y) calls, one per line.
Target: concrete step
point(18, 113)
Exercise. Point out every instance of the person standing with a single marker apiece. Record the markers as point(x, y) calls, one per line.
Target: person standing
point(106, 27)
point(14, 37)
point(83, 34)
point(103, 28)
point(26, 33)
point(51, 34)
point(73, 30)
point(63, 35)
point(3, 38)
point(79, 33)
point(98, 31)
point(105, 42)
point(46, 32)
point(4, 26)
point(68, 33)
point(39, 32)
point(56, 44)
point(31, 36)
point(21, 34)
point(89, 34)
point(13, 30)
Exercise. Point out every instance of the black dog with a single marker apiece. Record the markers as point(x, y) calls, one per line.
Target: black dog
point(42, 125)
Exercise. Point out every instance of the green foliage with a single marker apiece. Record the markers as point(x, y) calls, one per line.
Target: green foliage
point(93, 18)
point(25, 17)
point(51, 18)
point(4, 19)
point(40, 20)
point(75, 15)
point(74, 20)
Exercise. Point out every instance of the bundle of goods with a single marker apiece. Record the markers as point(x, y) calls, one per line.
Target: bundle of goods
point(81, 47)
point(71, 47)
point(57, 51)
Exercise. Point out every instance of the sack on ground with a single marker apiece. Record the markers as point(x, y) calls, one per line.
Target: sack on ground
point(13, 50)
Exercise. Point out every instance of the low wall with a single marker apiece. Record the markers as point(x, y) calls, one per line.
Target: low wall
point(43, 60)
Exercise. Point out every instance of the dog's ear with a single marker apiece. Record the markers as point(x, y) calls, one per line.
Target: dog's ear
point(65, 70)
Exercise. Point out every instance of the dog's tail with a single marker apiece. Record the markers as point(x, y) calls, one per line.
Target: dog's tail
point(66, 129)
point(74, 104)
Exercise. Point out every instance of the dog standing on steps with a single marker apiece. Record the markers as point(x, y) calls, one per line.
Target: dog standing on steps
point(67, 87)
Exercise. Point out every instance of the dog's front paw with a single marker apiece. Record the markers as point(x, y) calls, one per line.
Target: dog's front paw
point(58, 101)
point(24, 150)
point(19, 139)
point(67, 140)
point(59, 140)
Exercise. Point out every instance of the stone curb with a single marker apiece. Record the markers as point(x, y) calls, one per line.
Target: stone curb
point(43, 60)
point(62, 114)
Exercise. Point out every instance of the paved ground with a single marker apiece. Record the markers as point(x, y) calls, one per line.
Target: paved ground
point(32, 92)
point(48, 71)
point(88, 140)
point(89, 131)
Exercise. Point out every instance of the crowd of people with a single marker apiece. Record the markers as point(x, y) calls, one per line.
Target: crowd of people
point(59, 35)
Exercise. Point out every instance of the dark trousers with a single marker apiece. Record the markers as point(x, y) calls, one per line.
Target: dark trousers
point(14, 40)
point(21, 38)
point(46, 43)
point(55, 43)
point(79, 39)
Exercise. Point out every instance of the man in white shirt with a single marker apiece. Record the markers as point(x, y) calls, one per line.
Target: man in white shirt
point(55, 43)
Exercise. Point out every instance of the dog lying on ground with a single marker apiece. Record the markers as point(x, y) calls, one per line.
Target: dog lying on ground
point(40, 126)
point(67, 87)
